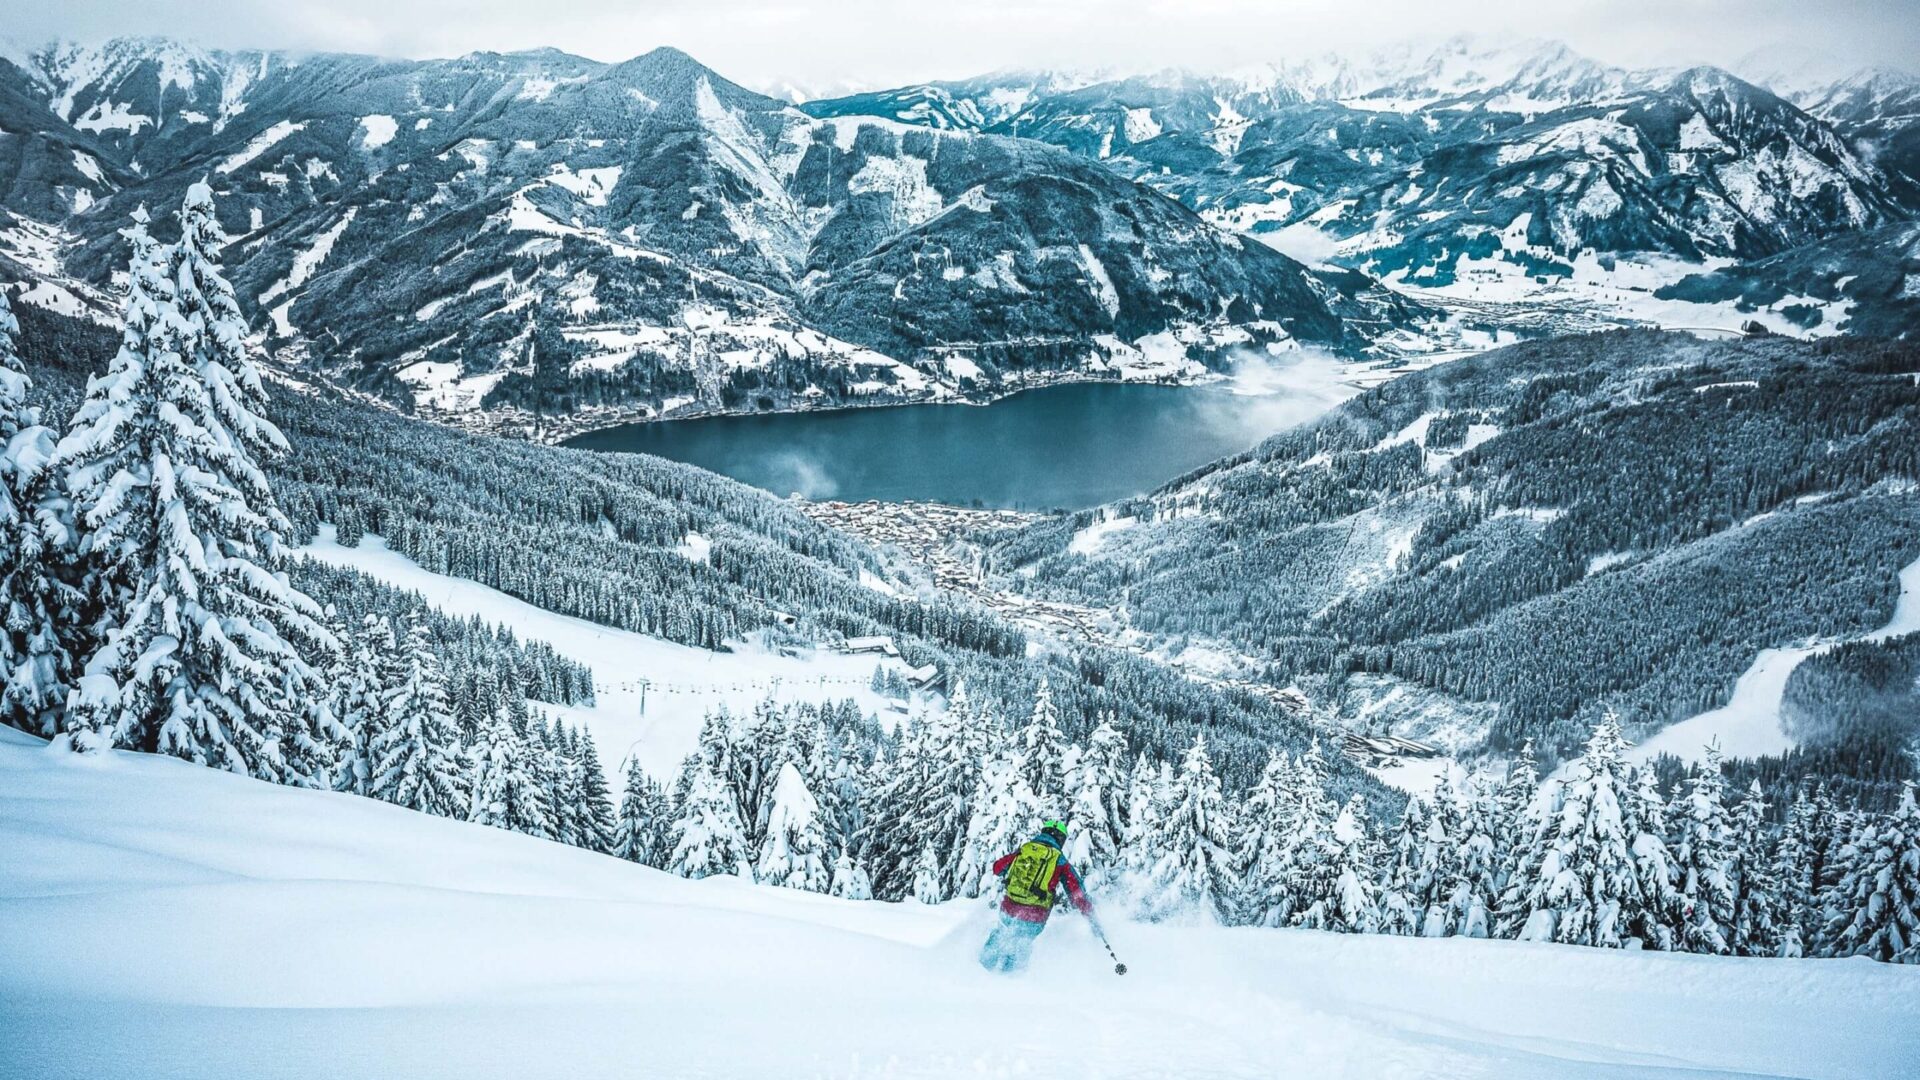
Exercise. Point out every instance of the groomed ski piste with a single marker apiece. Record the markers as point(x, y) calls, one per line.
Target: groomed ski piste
point(161, 919)
point(651, 695)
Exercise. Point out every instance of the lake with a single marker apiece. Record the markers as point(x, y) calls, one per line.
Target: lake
point(1065, 447)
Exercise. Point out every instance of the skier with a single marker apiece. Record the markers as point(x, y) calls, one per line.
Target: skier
point(1034, 872)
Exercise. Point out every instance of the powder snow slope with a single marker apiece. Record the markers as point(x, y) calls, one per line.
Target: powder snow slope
point(159, 919)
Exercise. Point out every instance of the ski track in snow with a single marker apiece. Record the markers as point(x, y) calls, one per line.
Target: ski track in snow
point(1749, 724)
point(164, 920)
point(679, 684)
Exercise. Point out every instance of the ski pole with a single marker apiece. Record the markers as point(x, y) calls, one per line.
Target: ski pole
point(1118, 967)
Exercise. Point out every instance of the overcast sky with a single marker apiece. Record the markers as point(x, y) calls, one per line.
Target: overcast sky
point(875, 42)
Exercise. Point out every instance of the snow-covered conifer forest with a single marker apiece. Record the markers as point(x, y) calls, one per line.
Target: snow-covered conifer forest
point(1495, 721)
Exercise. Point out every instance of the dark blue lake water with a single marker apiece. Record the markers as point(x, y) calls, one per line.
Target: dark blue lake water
point(1056, 447)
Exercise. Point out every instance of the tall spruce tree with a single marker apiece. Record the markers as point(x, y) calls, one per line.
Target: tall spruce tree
point(179, 530)
point(1477, 869)
point(362, 702)
point(644, 830)
point(1005, 812)
point(794, 852)
point(1584, 879)
point(1043, 753)
point(1267, 828)
point(1401, 884)
point(1516, 829)
point(1191, 868)
point(596, 826)
point(1437, 863)
point(1703, 859)
point(1793, 873)
point(708, 839)
point(503, 791)
point(417, 758)
point(1348, 905)
point(1877, 898)
point(1756, 894)
point(1098, 808)
point(37, 610)
point(1652, 913)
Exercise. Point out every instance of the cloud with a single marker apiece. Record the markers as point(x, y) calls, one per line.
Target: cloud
point(890, 41)
point(1301, 241)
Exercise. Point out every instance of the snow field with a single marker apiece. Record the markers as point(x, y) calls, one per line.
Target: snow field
point(166, 920)
point(679, 684)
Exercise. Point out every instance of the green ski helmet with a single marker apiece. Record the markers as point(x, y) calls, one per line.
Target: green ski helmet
point(1055, 827)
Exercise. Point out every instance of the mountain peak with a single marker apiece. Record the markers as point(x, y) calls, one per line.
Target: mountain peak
point(667, 74)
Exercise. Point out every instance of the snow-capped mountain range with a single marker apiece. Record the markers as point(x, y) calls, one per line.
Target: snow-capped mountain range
point(540, 231)
point(1484, 171)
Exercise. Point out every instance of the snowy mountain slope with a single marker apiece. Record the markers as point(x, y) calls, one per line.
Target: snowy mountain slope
point(1751, 724)
point(1512, 530)
point(1409, 162)
point(1865, 283)
point(959, 105)
point(48, 168)
point(341, 934)
point(651, 695)
point(674, 236)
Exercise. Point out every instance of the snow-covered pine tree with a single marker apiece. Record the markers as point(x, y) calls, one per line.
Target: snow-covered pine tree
point(1309, 874)
point(1266, 830)
point(1097, 812)
point(1043, 752)
point(1756, 894)
point(794, 851)
point(37, 611)
point(1192, 867)
point(1877, 899)
point(361, 698)
point(314, 741)
point(763, 744)
point(1794, 875)
point(1400, 882)
point(554, 764)
point(924, 801)
point(1652, 914)
point(1005, 813)
point(1144, 811)
point(178, 528)
point(708, 840)
point(1349, 906)
point(417, 759)
point(1849, 844)
point(1703, 859)
point(850, 878)
point(588, 787)
point(643, 832)
point(1471, 895)
point(1575, 894)
point(928, 888)
point(1516, 829)
point(1437, 858)
point(499, 779)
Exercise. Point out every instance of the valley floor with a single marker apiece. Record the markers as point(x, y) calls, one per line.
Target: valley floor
point(159, 919)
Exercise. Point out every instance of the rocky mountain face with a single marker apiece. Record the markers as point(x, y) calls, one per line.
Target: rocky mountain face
point(543, 232)
point(1484, 172)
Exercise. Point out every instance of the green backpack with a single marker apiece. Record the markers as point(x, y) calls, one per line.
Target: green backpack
point(1030, 878)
